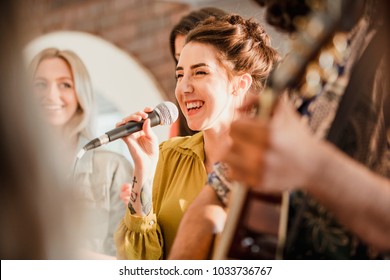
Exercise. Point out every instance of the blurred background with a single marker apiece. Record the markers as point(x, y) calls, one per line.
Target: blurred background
point(125, 46)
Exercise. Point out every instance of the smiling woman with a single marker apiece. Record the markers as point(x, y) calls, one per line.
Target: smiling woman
point(62, 85)
point(214, 75)
point(119, 82)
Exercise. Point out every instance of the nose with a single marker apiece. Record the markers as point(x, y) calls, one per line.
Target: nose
point(185, 85)
point(53, 91)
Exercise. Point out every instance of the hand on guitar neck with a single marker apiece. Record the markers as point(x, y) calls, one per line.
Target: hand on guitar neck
point(257, 222)
point(266, 148)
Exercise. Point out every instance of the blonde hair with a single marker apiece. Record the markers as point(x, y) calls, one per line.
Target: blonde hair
point(81, 122)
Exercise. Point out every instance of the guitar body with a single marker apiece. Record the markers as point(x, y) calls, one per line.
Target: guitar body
point(256, 228)
point(257, 235)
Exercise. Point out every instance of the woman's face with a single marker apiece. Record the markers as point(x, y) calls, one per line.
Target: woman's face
point(203, 90)
point(53, 84)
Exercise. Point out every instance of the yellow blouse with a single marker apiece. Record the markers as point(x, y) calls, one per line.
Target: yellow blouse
point(180, 176)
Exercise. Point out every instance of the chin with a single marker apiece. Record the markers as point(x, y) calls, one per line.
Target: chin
point(57, 123)
point(193, 127)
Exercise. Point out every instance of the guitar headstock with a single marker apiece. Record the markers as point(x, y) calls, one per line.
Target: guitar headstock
point(316, 52)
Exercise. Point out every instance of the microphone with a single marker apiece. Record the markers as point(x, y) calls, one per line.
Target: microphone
point(164, 114)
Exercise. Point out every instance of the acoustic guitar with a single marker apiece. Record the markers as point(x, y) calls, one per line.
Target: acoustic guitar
point(256, 225)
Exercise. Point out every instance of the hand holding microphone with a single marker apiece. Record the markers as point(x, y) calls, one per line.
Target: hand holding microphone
point(143, 143)
point(165, 113)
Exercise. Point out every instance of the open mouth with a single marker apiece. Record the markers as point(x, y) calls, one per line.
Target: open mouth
point(194, 105)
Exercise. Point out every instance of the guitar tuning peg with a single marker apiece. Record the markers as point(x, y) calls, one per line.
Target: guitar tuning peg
point(313, 77)
point(329, 61)
point(340, 42)
point(326, 60)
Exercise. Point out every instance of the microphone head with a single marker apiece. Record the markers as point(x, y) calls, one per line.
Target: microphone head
point(167, 111)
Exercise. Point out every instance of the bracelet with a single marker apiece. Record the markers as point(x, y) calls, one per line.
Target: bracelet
point(217, 180)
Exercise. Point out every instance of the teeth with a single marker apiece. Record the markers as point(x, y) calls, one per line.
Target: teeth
point(52, 107)
point(194, 104)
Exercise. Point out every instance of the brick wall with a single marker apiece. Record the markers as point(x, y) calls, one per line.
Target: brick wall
point(139, 27)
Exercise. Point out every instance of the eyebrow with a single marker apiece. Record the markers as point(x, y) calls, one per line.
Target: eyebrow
point(60, 78)
point(193, 66)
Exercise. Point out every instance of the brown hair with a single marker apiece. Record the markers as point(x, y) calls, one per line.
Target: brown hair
point(243, 46)
point(185, 25)
point(189, 22)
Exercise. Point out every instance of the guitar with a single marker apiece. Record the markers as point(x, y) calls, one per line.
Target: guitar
point(256, 226)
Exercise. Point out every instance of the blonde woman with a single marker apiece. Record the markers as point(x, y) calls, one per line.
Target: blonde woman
point(62, 84)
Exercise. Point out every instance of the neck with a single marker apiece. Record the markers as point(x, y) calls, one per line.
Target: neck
point(67, 144)
point(215, 146)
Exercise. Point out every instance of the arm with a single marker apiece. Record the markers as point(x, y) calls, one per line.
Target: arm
point(143, 148)
point(138, 235)
point(139, 238)
point(359, 198)
point(202, 221)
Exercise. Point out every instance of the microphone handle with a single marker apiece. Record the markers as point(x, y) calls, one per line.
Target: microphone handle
point(120, 132)
point(131, 127)
point(124, 130)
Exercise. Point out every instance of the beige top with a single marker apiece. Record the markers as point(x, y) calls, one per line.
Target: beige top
point(99, 176)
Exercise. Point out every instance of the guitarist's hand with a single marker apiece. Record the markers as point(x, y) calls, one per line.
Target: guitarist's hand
point(272, 155)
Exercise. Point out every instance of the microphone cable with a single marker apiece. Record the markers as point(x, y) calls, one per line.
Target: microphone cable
point(78, 157)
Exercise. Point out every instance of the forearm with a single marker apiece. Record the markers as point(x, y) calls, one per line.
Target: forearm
point(140, 202)
point(358, 198)
point(202, 221)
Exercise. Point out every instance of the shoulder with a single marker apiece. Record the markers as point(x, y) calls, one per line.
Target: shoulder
point(183, 145)
point(102, 155)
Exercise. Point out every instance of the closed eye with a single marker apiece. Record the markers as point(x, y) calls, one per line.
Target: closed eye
point(200, 73)
point(178, 76)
